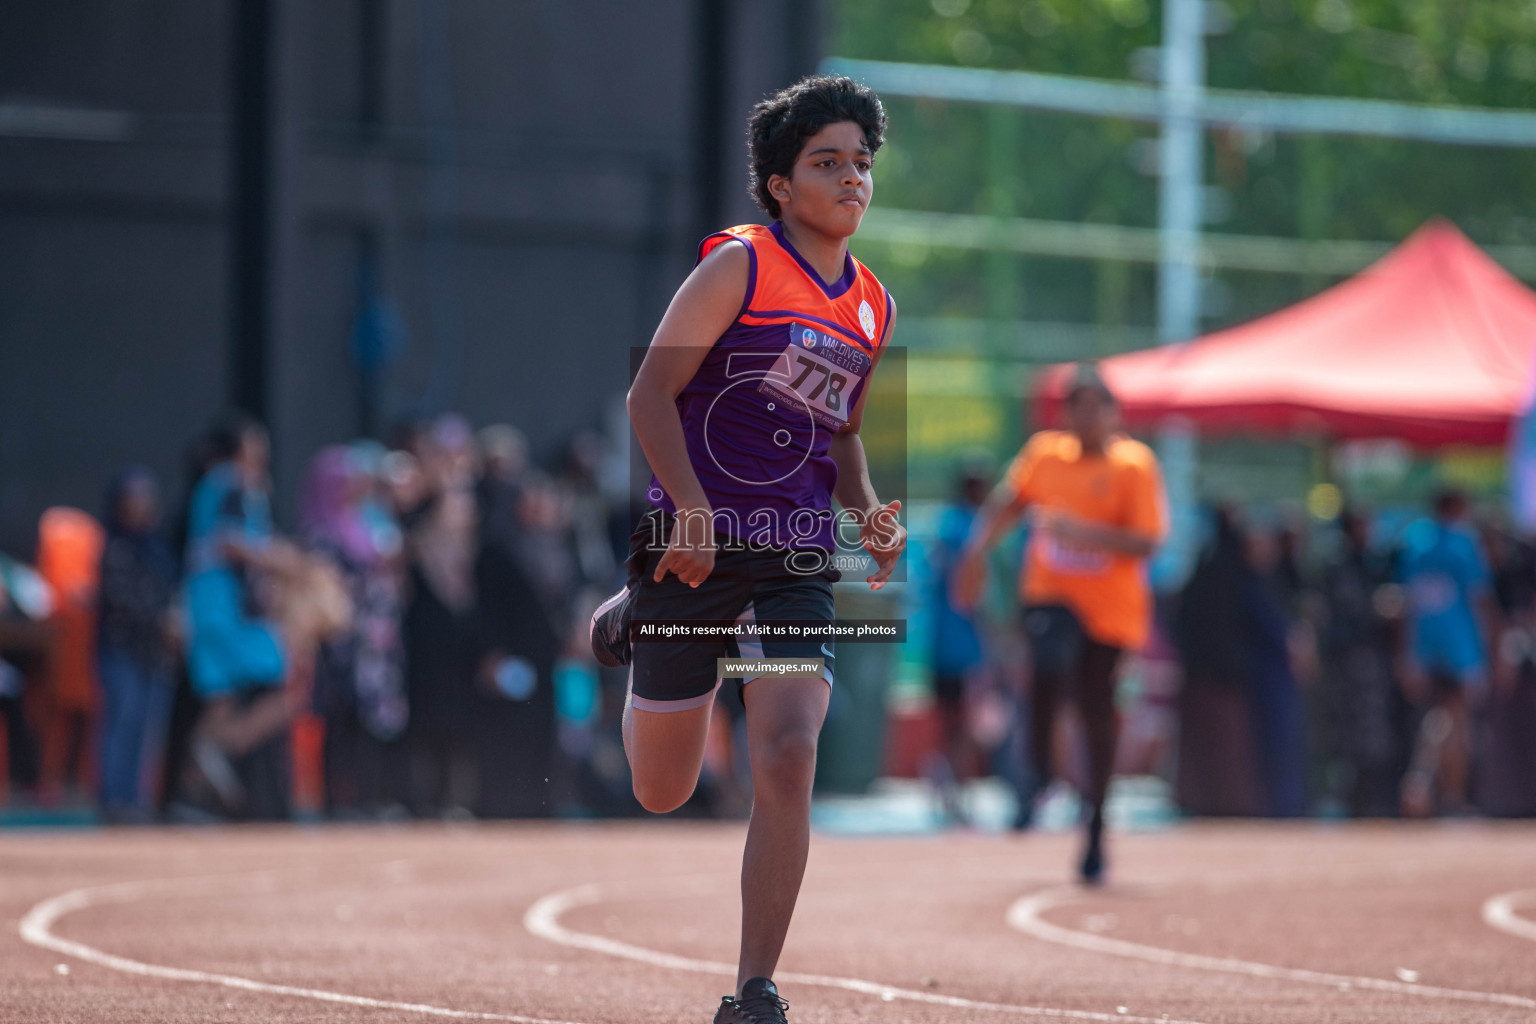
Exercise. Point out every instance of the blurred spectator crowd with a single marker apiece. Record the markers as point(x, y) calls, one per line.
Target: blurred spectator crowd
point(1383, 676)
point(414, 646)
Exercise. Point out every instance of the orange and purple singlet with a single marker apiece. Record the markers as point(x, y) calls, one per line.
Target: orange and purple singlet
point(760, 412)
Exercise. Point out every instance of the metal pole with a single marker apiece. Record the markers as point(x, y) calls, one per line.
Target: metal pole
point(263, 203)
point(802, 48)
point(714, 26)
point(1181, 175)
point(1179, 185)
point(250, 206)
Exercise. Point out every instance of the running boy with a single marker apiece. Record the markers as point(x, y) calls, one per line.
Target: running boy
point(1097, 513)
point(748, 406)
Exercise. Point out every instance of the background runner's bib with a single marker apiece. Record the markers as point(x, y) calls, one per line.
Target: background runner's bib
point(759, 414)
point(1069, 559)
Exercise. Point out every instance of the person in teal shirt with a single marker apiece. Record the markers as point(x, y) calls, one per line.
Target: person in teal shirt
point(237, 656)
point(229, 527)
point(1449, 591)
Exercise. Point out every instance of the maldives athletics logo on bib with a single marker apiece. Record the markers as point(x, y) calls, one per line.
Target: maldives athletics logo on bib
point(867, 320)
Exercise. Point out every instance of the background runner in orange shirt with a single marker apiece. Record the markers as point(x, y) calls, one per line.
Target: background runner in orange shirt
point(1097, 512)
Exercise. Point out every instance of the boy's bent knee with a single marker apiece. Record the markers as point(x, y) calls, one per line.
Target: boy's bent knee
point(662, 796)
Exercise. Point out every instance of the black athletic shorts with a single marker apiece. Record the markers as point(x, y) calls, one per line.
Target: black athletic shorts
point(1059, 643)
point(677, 675)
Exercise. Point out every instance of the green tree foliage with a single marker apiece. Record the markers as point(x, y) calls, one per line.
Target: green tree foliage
point(948, 157)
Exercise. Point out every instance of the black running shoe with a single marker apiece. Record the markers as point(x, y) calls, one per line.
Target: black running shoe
point(759, 1003)
point(610, 628)
point(1091, 870)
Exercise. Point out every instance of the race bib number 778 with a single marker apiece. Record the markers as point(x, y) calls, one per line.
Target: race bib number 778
point(819, 372)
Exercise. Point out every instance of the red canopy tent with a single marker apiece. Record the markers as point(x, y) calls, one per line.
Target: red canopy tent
point(1433, 344)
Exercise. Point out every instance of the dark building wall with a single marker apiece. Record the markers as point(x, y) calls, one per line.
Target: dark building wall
point(518, 177)
point(112, 252)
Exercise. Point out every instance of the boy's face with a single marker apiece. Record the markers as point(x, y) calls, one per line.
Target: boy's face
point(830, 186)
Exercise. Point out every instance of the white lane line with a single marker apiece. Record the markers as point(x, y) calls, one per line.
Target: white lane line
point(543, 920)
point(37, 928)
point(1499, 912)
point(1025, 916)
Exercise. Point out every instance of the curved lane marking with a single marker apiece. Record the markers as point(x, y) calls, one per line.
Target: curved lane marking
point(1499, 912)
point(1025, 916)
point(37, 928)
point(543, 920)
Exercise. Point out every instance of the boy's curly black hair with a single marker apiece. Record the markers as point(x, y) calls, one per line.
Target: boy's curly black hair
point(780, 125)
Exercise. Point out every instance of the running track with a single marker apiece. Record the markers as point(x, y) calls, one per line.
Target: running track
point(636, 923)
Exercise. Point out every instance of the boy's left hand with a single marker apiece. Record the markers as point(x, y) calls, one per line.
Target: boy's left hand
point(885, 539)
